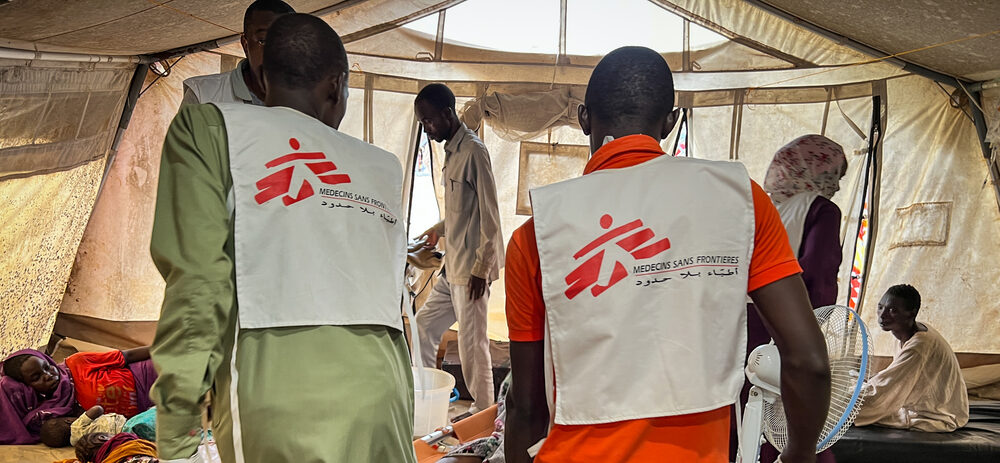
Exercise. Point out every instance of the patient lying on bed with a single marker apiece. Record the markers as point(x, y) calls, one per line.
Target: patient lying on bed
point(922, 389)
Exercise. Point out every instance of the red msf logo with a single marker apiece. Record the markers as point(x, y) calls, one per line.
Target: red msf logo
point(280, 182)
point(589, 271)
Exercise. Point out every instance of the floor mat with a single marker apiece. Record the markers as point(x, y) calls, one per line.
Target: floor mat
point(33, 454)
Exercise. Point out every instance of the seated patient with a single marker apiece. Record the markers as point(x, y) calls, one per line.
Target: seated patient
point(922, 389)
point(35, 390)
point(104, 447)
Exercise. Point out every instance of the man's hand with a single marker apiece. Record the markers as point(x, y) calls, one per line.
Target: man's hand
point(477, 287)
point(430, 238)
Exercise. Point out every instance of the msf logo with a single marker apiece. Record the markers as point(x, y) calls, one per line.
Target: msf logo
point(586, 275)
point(280, 182)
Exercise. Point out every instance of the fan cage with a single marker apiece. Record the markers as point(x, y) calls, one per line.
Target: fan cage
point(848, 345)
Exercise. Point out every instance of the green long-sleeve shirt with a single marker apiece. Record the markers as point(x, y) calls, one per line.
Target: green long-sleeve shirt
point(192, 248)
point(311, 392)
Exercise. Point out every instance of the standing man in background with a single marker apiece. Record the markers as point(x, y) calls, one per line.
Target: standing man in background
point(475, 250)
point(243, 84)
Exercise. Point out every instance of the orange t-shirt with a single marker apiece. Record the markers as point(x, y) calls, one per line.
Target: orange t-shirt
point(699, 437)
point(104, 379)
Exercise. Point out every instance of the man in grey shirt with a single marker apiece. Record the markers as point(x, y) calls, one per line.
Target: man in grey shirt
point(474, 248)
point(243, 84)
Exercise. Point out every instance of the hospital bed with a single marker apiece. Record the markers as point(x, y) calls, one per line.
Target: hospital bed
point(978, 441)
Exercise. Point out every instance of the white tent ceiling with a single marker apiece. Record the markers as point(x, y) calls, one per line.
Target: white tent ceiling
point(131, 27)
point(899, 26)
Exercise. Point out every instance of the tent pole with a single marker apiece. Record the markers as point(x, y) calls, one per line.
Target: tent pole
point(14, 53)
point(873, 52)
point(980, 122)
point(439, 37)
point(138, 78)
point(561, 57)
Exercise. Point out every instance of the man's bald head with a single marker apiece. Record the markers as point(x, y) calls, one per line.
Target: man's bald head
point(301, 51)
point(305, 68)
point(631, 84)
point(631, 91)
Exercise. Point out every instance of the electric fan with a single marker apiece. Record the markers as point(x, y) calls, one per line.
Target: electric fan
point(847, 345)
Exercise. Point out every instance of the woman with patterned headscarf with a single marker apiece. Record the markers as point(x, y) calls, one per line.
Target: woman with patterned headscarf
point(801, 179)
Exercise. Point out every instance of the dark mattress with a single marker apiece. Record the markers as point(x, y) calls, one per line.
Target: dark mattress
point(978, 441)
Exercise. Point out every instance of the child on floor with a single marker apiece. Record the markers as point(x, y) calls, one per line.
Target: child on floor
point(36, 390)
point(104, 447)
point(95, 420)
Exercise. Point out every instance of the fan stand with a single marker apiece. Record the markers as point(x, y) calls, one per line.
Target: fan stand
point(753, 424)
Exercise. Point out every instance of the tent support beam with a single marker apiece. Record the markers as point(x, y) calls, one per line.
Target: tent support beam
point(683, 13)
point(980, 121)
point(873, 52)
point(439, 38)
point(985, 85)
point(561, 57)
point(14, 53)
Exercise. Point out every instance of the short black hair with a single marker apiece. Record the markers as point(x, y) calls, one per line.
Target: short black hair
point(301, 50)
point(438, 95)
point(87, 445)
point(274, 6)
point(630, 85)
point(909, 295)
point(12, 366)
point(55, 432)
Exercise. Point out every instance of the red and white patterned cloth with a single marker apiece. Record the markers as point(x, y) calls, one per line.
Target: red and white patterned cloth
point(810, 163)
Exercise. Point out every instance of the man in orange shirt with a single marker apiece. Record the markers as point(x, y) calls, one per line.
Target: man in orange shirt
point(636, 339)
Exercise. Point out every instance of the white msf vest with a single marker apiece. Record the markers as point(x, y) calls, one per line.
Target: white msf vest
point(644, 277)
point(318, 234)
point(793, 212)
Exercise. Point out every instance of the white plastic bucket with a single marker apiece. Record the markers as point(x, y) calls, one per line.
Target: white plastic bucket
point(430, 406)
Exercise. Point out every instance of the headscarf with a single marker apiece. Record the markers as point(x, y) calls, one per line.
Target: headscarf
point(22, 410)
point(810, 163)
point(124, 445)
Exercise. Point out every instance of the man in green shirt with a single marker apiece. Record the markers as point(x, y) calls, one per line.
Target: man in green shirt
point(262, 301)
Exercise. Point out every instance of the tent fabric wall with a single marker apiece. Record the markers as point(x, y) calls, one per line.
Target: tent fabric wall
point(43, 220)
point(113, 279)
point(57, 122)
point(931, 154)
point(991, 111)
point(57, 115)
